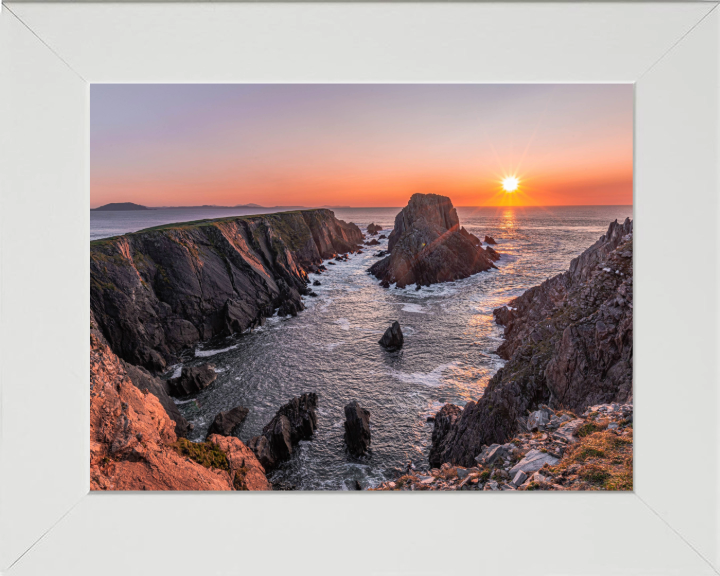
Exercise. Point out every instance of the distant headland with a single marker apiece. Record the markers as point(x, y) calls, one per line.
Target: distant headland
point(119, 207)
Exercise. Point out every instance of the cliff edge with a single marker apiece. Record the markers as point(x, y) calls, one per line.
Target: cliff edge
point(568, 343)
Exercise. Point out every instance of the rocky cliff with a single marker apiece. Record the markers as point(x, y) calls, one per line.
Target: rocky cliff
point(133, 444)
point(157, 292)
point(428, 245)
point(568, 343)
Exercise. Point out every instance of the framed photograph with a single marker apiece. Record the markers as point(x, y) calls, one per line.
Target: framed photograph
point(408, 276)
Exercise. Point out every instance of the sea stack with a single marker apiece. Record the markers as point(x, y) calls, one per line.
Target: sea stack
point(357, 429)
point(428, 246)
point(393, 337)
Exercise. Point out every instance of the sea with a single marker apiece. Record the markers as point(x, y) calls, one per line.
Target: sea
point(331, 348)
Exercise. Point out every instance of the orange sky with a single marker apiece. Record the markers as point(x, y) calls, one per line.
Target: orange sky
point(360, 145)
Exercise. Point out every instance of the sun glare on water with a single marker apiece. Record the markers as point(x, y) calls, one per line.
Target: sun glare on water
point(510, 184)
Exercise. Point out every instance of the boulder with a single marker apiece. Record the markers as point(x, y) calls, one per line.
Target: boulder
point(490, 454)
point(294, 421)
point(568, 432)
point(372, 242)
point(373, 229)
point(382, 237)
point(393, 337)
point(489, 240)
point(519, 478)
point(226, 423)
point(428, 246)
point(533, 461)
point(357, 429)
point(316, 283)
point(537, 420)
point(193, 379)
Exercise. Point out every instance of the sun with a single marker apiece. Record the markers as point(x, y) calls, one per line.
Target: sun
point(510, 184)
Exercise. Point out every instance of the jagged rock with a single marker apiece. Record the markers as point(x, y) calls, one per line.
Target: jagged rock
point(490, 454)
point(157, 292)
point(373, 229)
point(382, 237)
point(427, 246)
point(492, 254)
point(568, 343)
point(372, 242)
point(226, 423)
point(146, 382)
point(533, 461)
point(245, 470)
point(444, 421)
point(537, 420)
point(192, 380)
point(568, 432)
point(503, 316)
point(393, 337)
point(519, 478)
point(357, 429)
point(294, 421)
point(489, 240)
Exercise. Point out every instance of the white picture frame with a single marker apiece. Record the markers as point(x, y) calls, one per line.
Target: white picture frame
point(51, 524)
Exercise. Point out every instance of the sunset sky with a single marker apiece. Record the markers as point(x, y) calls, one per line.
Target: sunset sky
point(360, 145)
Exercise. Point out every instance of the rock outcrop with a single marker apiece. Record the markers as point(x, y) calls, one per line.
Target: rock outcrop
point(591, 451)
point(489, 240)
point(444, 421)
point(373, 229)
point(226, 423)
point(158, 387)
point(568, 343)
point(357, 429)
point(427, 246)
point(294, 421)
point(192, 380)
point(393, 338)
point(157, 292)
point(133, 444)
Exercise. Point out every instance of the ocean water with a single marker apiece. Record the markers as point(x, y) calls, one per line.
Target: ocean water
point(332, 347)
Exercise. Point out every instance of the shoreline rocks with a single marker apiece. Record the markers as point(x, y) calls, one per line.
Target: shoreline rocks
point(192, 379)
point(294, 421)
point(393, 338)
point(428, 246)
point(226, 423)
point(357, 429)
point(373, 229)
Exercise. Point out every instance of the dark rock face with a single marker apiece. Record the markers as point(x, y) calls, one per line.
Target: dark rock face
point(428, 246)
point(294, 421)
point(226, 423)
point(159, 291)
point(372, 242)
point(444, 421)
point(568, 343)
point(357, 429)
point(373, 229)
point(146, 382)
point(393, 337)
point(192, 380)
point(489, 240)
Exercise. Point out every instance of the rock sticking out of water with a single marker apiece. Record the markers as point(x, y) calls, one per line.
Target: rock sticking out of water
point(357, 429)
point(226, 423)
point(373, 229)
point(393, 337)
point(489, 240)
point(294, 421)
point(192, 379)
point(427, 246)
